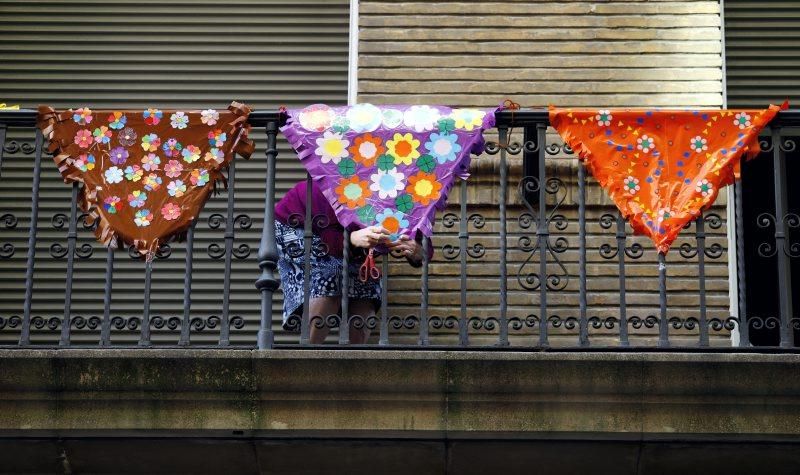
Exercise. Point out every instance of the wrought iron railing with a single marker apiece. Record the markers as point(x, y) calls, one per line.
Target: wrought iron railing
point(531, 224)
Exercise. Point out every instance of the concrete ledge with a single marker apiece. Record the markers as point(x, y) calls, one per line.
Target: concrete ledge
point(191, 456)
point(400, 394)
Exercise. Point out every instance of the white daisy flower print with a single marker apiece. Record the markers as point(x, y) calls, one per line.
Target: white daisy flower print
point(332, 147)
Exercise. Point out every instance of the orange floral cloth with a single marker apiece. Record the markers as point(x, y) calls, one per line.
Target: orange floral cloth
point(662, 167)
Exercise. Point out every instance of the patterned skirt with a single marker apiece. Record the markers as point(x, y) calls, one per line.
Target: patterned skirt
point(326, 275)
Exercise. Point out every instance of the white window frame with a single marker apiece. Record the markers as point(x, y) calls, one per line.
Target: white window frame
point(733, 275)
point(352, 61)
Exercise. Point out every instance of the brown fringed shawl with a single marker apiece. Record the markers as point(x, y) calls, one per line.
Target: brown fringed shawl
point(146, 174)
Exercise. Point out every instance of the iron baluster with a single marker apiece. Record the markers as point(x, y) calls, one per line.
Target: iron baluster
point(224, 328)
point(700, 237)
point(72, 236)
point(741, 278)
point(503, 139)
point(784, 268)
point(3, 130)
point(583, 337)
point(623, 300)
point(186, 324)
point(463, 237)
point(267, 283)
point(308, 240)
point(384, 331)
point(423, 311)
point(663, 327)
point(144, 340)
point(105, 329)
point(542, 235)
point(344, 322)
point(9, 220)
point(25, 333)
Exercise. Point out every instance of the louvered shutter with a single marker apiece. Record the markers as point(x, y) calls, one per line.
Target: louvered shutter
point(173, 54)
point(762, 49)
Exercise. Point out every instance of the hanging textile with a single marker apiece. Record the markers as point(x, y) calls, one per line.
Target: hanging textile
point(146, 174)
point(662, 167)
point(389, 166)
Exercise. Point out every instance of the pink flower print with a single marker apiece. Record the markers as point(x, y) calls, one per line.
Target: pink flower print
point(191, 154)
point(171, 211)
point(137, 198)
point(217, 138)
point(134, 173)
point(663, 215)
point(645, 143)
point(152, 182)
point(698, 144)
point(117, 120)
point(102, 135)
point(631, 185)
point(176, 188)
point(150, 162)
point(603, 117)
point(152, 116)
point(173, 169)
point(150, 142)
point(209, 117)
point(83, 116)
point(83, 138)
point(111, 204)
point(215, 155)
point(172, 148)
point(704, 188)
point(199, 177)
point(143, 218)
point(85, 162)
point(742, 120)
point(179, 120)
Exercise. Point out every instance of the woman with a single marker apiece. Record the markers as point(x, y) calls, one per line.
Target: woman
point(326, 263)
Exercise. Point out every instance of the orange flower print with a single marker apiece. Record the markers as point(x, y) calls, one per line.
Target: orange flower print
point(366, 149)
point(353, 192)
point(403, 147)
point(424, 187)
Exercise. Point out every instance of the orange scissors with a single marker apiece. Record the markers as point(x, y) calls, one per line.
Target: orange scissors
point(368, 269)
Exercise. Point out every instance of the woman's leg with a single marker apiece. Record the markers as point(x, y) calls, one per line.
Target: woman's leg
point(321, 307)
point(364, 309)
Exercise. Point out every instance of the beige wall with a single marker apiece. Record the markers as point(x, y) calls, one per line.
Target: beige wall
point(590, 54)
point(665, 53)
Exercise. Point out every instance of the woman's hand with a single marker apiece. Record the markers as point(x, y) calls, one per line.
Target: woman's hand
point(369, 237)
point(409, 248)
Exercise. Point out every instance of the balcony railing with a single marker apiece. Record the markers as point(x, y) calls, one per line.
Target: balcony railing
point(535, 266)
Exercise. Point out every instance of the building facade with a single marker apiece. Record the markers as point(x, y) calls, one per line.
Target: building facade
point(83, 391)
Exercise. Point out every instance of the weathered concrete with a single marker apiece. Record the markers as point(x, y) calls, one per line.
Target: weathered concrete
point(422, 412)
point(402, 393)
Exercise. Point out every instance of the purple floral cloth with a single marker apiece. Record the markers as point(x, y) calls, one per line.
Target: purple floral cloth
point(390, 166)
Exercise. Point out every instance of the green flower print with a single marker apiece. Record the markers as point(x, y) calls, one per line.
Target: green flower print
point(404, 203)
